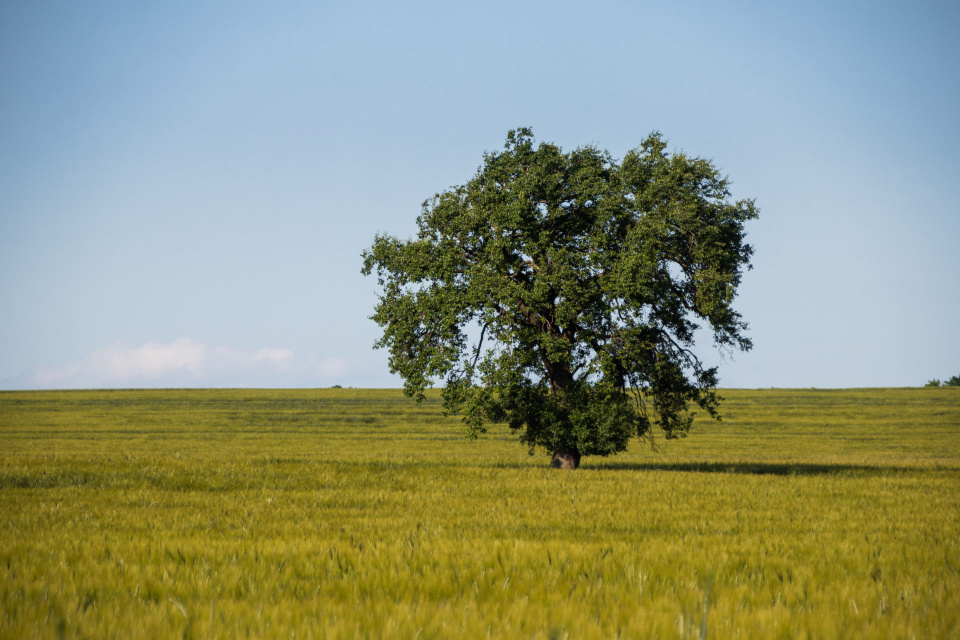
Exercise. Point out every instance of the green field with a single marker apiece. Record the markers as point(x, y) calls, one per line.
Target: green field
point(355, 513)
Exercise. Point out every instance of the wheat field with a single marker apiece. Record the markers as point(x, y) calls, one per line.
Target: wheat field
point(345, 513)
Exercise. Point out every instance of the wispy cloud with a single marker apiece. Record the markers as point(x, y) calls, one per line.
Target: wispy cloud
point(187, 362)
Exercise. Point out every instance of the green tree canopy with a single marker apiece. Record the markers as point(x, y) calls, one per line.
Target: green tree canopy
point(560, 293)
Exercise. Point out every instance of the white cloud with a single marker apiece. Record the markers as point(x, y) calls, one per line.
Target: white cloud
point(333, 367)
point(282, 358)
point(187, 362)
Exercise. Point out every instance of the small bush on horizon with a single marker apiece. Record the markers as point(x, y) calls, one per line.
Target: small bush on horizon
point(953, 381)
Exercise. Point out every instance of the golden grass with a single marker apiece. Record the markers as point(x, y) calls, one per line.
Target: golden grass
point(351, 513)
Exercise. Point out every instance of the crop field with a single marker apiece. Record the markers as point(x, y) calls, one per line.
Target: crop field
point(344, 513)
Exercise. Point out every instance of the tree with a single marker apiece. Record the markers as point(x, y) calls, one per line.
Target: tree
point(560, 293)
point(953, 381)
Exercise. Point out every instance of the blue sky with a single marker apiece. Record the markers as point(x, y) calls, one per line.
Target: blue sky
point(186, 187)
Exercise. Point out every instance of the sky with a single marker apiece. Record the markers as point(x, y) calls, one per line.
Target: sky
point(186, 188)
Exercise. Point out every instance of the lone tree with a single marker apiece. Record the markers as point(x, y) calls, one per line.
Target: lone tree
point(560, 293)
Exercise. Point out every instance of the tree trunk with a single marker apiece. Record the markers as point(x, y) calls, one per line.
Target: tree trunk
point(565, 459)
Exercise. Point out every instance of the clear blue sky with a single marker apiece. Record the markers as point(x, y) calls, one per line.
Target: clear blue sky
point(186, 187)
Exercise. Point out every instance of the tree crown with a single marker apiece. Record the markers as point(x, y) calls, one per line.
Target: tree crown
point(560, 292)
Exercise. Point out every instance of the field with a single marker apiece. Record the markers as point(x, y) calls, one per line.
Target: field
point(358, 514)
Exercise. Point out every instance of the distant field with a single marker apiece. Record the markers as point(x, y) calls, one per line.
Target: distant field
point(356, 513)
